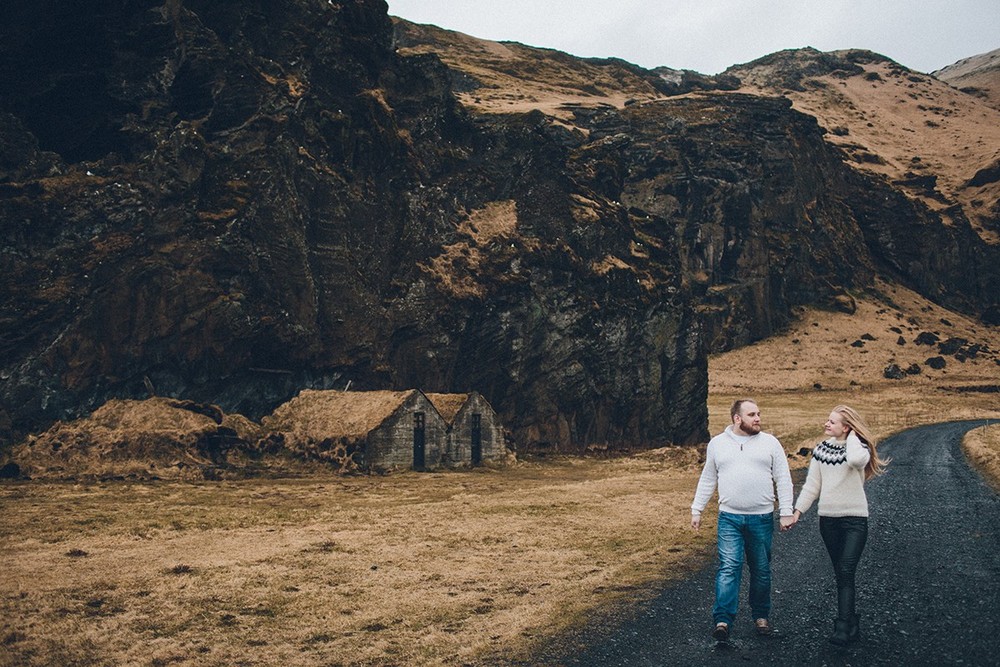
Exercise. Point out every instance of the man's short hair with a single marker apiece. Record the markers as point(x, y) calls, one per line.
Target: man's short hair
point(738, 406)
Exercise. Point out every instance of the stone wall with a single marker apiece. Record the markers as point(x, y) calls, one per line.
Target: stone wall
point(391, 444)
point(460, 435)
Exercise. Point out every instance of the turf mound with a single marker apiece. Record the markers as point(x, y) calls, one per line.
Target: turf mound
point(153, 438)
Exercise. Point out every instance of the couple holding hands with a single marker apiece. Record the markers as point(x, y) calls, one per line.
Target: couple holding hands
point(746, 465)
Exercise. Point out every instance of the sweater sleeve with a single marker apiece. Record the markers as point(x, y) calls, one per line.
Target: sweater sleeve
point(858, 454)
point(810, 490)
point(782, 479)
point(706, 483)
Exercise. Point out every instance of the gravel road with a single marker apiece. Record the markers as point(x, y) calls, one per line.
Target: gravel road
point(928, 584)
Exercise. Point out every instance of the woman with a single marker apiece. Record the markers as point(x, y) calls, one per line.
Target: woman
point(838, 470)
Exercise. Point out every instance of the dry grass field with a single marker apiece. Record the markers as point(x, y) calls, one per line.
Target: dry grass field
point(455, 568)
point(407, 569)
point(982, 446)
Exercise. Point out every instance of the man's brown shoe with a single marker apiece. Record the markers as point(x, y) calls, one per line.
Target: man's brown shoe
point(721, 632)
point(762, 626)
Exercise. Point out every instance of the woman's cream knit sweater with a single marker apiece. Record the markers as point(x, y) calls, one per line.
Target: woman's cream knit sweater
point(837, 477)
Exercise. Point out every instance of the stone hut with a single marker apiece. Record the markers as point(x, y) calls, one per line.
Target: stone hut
point(370, 430)
point(475, 434)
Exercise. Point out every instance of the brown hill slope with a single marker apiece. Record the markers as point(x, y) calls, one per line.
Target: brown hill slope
point(510, 77)
point(507, 77)
point(840, 352)
point(934, 143)
point(238, 201)
point(935, 147)
point(976, 75)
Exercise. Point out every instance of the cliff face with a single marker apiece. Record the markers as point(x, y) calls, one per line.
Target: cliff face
point(177, 166)
point(933, 145)
point(230, 202)
point(898, 177)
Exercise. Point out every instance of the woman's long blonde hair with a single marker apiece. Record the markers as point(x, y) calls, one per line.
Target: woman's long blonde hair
point(855, 422)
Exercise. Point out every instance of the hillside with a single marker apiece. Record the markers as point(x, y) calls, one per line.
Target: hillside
point(895, 339)
point(231, 202)
point(508, 77)
point(976, 75)
point(922, 139)
point(936, 144)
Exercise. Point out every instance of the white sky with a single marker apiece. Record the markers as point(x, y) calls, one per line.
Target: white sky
point(710, 35)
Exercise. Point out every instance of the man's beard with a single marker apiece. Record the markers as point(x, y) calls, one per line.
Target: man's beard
point(750, 429)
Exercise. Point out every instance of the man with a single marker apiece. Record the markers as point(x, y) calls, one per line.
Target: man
point(746, 465)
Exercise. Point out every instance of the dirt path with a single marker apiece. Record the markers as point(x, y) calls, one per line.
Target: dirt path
point(929, 581)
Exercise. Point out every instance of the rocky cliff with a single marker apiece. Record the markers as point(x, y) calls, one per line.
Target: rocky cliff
point(891, 172)
point(232, 201)
point(229, 202)
point(931, 143)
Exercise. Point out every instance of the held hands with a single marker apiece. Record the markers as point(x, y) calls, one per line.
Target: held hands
point(786, 522)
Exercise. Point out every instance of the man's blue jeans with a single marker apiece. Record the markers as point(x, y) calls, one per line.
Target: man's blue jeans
point(749, 536)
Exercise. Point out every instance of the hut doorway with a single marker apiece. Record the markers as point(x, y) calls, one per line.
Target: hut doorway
point(419, 440)
point(477, 439)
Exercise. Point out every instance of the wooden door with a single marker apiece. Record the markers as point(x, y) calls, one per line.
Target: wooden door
point(419, 441)
point(477, 439)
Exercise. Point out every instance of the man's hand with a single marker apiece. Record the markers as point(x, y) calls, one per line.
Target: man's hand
point(786, 522)
point(696, 521)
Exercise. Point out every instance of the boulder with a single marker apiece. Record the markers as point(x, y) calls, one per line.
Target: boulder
point(937, 363)
point(926, 338)
point(894, 372)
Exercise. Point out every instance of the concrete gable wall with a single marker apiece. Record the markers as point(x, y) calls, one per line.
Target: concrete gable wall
point(391, 444)
point(460, 436)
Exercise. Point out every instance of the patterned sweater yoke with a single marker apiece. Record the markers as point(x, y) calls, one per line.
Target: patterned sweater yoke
point(837, 478)
point(831, 452)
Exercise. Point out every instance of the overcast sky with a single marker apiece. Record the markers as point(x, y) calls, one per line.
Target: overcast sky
point(710, 35)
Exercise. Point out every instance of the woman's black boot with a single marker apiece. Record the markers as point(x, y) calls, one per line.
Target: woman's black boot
point(854, 629)
point(840, 630)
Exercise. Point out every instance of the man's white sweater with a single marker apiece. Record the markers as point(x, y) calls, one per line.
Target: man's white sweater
point(837, 477)
point(746, 474)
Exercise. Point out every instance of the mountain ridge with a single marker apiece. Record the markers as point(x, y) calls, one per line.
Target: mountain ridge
point(276, 196)
point(977, 75)
point(927, 138)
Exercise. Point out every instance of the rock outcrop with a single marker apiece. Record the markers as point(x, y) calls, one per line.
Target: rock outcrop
point(230, 202)
point(933, 145)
